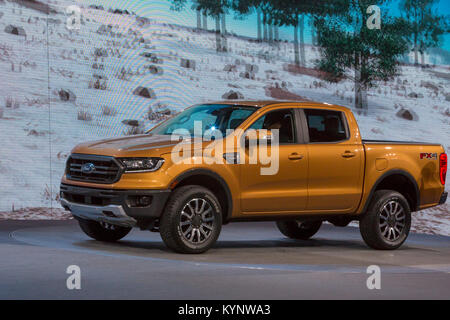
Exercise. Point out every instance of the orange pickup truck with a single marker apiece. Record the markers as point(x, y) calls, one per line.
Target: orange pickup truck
point(296, 163)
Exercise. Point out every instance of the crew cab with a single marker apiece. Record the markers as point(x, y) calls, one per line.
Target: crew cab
point(303, 163)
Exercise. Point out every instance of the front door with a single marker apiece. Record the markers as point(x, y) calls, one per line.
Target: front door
point(283, 190)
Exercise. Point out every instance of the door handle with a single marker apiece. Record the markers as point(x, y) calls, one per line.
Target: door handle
point(348, 154)
point(295, 156)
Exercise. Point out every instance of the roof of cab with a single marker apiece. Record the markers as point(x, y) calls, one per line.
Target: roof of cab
point(265, 103)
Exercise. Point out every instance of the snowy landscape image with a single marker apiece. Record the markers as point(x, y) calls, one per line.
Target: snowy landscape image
point(76, 71)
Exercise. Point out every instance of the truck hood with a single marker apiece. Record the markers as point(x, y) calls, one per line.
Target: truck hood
point(139, 145)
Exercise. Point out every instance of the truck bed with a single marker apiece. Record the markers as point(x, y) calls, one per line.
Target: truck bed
point(367, 141)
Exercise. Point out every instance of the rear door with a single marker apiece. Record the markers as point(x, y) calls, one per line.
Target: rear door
point(284, 191)
point(336, 162)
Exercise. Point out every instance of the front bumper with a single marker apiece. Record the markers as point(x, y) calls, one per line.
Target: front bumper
point(113, 206)
point(443, 198)
point(111, 214)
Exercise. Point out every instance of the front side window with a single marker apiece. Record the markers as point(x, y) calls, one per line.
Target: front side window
point(325, 125)
point(211, 117)
point(282, 120)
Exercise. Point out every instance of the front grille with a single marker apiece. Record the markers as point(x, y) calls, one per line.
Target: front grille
point(107, 169)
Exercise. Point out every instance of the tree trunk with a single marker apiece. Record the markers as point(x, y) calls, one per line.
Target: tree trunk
point(302, 41)
point(224, 25)
point(258, 13)
point(205, 21)
point(270, 33)
point(416, 55)
point(199, 19)
point(265, 27)
point(360, 89)
point(361, 98)
point(296, 52)
point(266, 31)
point(313, 35)
point(277, 33)
point(416, 50)
point(422, 53)
point(224, 33)
point(218, 37)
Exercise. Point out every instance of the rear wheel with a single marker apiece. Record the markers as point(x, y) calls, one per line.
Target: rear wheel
point(386, 224)
point(296, 229)
point(102, 231)
point(192, 220)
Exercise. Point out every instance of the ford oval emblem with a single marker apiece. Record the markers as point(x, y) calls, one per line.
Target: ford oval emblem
point(88, 168)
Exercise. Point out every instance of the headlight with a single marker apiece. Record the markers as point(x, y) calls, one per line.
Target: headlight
point(141, 164)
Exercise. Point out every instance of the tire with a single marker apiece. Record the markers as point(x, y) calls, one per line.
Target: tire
point(103, 231)
point(386, 224)
point(299, 230)
point(192, 220)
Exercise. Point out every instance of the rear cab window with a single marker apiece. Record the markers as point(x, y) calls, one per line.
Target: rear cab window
point(326, 125)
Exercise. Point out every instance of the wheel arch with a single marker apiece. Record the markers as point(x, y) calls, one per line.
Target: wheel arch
point(210, 180)
point(400, 181)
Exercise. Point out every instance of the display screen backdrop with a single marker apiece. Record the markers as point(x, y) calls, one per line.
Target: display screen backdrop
point(74, 71)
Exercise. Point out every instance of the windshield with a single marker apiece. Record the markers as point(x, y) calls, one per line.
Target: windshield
point(206, 117)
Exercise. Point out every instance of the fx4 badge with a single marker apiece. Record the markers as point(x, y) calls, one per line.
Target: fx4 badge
point(429, 156)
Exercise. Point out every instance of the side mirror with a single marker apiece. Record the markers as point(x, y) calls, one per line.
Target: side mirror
point(255, 137)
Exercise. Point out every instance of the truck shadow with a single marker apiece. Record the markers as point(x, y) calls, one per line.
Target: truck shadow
point(288, 243)
point(242, 244)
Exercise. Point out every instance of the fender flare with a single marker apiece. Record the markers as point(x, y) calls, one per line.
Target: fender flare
point(392, 172)
point(215, 176)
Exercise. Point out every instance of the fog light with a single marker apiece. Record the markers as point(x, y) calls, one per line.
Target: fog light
point(145, 201)
point(139, 201)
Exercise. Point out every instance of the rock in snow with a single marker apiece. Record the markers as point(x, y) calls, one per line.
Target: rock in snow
point(18, 31)
point(130, 122)
point(232, 95)
point(415, 95)
point(144, 92)
point(67, 95)
point(187, 63)
point(407, 114)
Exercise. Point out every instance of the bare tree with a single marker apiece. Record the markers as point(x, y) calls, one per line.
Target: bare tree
point(199, 19)
point(302, 40)
point(265, 26)
point(296, 50)
point(218, 37)
point(425, 26)
point(258, 21)
point(270, 26)
point(224, 32)
point(205, 21)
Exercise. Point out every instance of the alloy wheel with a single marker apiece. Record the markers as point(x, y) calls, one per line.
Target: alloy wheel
point(392, 220)
point(196, 221)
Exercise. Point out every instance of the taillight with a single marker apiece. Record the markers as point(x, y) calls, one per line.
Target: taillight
point(442, 167)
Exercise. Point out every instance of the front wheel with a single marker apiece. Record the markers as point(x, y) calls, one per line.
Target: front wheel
point(102, 231)
point(386, 224)
point(302, 230)
point(192, 220)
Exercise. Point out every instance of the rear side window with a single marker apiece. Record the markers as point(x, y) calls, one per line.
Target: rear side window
point(326, 125)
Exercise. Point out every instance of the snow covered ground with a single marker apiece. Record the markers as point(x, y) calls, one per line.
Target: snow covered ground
point(101, 64)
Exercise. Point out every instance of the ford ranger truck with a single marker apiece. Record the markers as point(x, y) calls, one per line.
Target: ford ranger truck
point(324, 172)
